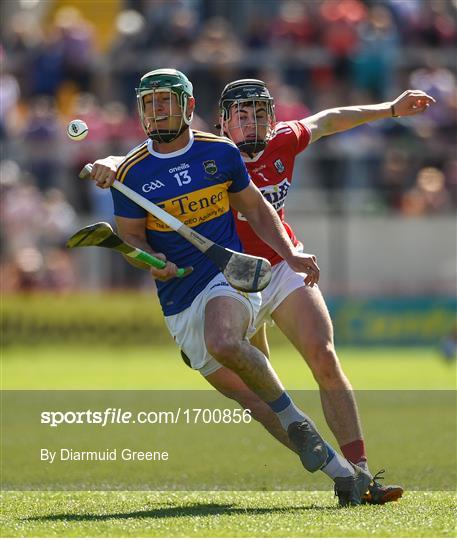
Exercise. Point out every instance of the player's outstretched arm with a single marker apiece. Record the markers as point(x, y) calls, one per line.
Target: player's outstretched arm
point(343, 118)
point(133, 231)
point(104, 170)
point(265, 221)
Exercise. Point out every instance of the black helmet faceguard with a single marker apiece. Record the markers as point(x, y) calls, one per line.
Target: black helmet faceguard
point(248, 93)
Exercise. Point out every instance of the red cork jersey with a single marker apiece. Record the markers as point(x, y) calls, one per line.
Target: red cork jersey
point(271, 171)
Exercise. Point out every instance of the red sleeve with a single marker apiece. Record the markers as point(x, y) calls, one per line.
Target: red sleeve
point(302, 134)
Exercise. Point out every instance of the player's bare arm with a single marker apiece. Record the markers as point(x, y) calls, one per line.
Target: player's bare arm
point(133, 232)
point(265, 221)
point(343, 118)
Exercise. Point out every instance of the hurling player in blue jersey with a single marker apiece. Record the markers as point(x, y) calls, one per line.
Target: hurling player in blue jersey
point(197, 177)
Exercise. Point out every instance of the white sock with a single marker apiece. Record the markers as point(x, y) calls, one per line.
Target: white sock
point(289, 415)
point(337, 466)
point(364, 465)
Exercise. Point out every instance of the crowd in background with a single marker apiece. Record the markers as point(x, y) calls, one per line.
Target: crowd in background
point(313, 54)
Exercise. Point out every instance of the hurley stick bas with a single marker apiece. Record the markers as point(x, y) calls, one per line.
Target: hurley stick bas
point(244, 272)
point(101, 234)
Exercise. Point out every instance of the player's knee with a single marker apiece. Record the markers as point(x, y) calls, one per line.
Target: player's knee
point(225, 349)
point(325, 365)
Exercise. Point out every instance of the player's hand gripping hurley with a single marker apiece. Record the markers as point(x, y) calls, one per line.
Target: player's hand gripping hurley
point(102, 235)
point(243, 272)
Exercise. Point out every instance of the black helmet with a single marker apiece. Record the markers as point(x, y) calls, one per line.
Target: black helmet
point(248, 91)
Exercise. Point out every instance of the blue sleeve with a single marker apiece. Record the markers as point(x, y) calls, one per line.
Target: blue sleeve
point(124, 207)
point(240, 176)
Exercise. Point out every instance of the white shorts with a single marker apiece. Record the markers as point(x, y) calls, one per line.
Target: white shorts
point(283, 282)
point(187, 327)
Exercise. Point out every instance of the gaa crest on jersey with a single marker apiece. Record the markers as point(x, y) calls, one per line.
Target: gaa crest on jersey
point(210, 166)
point(279, 166)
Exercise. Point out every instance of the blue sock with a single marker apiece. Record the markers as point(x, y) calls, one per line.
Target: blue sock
point(286, 410)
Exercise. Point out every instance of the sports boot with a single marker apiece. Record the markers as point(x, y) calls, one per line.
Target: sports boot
point(350, 490)
point(344, 487)
point(379, 494)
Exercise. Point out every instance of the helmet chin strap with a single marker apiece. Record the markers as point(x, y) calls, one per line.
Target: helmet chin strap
point(165, 136)
point(251, 148)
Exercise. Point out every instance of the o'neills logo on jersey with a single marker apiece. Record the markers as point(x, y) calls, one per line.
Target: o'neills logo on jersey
point(151, 186)
point(194, 208)
point(180, 167)
point(276, 195)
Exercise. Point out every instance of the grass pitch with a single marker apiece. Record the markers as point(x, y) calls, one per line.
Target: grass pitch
point(161, 367)
point(222, 514)
point(209, 513)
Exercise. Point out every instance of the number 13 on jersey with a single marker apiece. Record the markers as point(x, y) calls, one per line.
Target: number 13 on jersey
point(182, 178)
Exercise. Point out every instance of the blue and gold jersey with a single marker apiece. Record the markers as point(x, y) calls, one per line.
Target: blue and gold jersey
point(193, 185)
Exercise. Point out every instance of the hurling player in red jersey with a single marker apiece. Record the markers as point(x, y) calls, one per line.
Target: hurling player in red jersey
point(269, 150)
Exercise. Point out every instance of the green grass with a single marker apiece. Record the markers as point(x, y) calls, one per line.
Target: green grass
point(161, 367)
point(242, 513)
point(214, 514)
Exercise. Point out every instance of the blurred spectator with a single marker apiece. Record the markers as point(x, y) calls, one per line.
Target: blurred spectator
point(292, 27)
point(125, 55)
point(59, 271)
point(59, 223)
point(163, 16)
point(74, 35)
point(36, 227)
point(59, 218)
point(395, 174)
point(182, 28)
point(26, 270)
point(373, 63)
point(429, 195)
point(258, 32)
point(288, 103)
point(22, 210)
point(10, 93)
point(121, 130)
point(440, 83)
point(41, 136)
point(359, 152)
point(216, 53)
point(339, 32)
point(216, 44)
point(22, 37)
point(46, 66)
point(434, 25)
